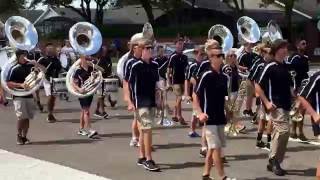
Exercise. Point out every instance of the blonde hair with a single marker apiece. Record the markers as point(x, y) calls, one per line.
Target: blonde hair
point(211, 44)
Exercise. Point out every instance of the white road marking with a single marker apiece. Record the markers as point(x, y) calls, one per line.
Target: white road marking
point(19, 167)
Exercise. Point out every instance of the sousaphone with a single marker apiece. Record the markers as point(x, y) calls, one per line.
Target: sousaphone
point(85, 39)
point(21, 35)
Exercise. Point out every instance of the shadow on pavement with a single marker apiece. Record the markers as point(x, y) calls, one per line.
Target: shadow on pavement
point(64, 142)
point(267, 178)
point(117, 135)
point(305, 172)
point(67, 110)
point(302, 148)
point(77, 120)
point(247, 157)
point(181, 166)
point(175, 145)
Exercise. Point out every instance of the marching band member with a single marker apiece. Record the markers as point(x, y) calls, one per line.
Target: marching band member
point(143, 76)
point(105, 62)
point(309, 98)
point(299, 63)
point(79, 77)
point(178, 63)
point(135, 55)
point(209, 100)
point(190, 83)
point(231, 59)
point(163, 61)
point(53, 65)
point(264, 52)
point(246, 60)
point(68, 54)
point(275, 90)
point(24, 105)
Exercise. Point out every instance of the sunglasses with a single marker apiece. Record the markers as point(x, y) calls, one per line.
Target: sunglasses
point(216, 55)
point(148, 47)
point(231, 55)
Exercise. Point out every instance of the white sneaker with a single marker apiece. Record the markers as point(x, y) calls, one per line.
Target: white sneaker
point(92, 133)
point(82, 132)
point(134, 142)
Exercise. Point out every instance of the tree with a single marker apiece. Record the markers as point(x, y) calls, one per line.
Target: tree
point(288, 7)
point(165, 5)
point(238, 8)
point(84, 10)
point(11, 5)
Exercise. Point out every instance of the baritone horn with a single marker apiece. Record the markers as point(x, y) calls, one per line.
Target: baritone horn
point(273, 33)
point(21, 35)
point(85, 39)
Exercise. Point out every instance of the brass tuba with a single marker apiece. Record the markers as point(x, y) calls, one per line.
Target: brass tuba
point(223, 35)
point(147, 33)
point(21, 35)
point(85, 39)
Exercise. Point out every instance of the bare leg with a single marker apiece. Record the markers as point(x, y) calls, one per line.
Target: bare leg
point(318, 171)
point(194, 121)
point(135, 129)
point(142, 152)
point(148, 143)
point(178, 105)
point(51, 103)
point(26, 125)
point(86, 115)
point(218, 162)
point(82, 119)
point(20, 126)
point(208, 162)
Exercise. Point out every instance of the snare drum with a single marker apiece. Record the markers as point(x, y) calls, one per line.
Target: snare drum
point(59, 85)
point(111, 85)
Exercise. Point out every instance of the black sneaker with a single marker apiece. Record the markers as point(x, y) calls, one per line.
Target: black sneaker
point(98, 114)
point(105, 115)
point(293, 135)
point(207, 177)
point(25, 140)
point(51, 119)
point(303, 138)
point(260, 144)
point(141, 161)
point(20, 140)
point(92, 133)
point(274, 166)
point(268, 146)
point(203, 153)
point(151, 165)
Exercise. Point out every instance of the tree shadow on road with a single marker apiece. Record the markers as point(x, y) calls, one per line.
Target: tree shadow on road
point(175, 145)
point(302, 148)
point(303, 172)
point(245, 157)
point(117, 135)
point(181, 166)
point(267, 178)
point(77, 120)
point(67, 110)
point(64, 142)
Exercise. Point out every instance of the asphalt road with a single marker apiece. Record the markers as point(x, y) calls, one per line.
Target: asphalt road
point(111, 157)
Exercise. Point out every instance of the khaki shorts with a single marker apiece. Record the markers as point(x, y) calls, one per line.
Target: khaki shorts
point(24, 107)
point(215, 136)
point(250, 89)
point(145, 117)
point(279, 116)
point(178, 89)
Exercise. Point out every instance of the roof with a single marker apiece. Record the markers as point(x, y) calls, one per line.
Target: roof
point(31, 15)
